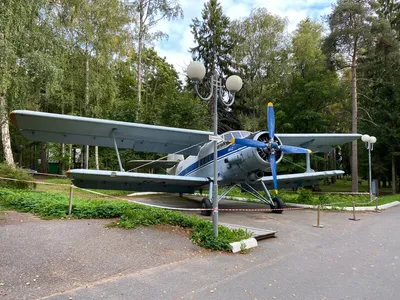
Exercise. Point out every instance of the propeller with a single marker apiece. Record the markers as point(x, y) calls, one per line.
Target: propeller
point(271, 146)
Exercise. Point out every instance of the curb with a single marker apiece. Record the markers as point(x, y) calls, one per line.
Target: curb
point(243, 245)
point(359, 208)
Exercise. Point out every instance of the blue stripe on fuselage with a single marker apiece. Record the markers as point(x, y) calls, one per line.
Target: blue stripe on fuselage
point(220, 153)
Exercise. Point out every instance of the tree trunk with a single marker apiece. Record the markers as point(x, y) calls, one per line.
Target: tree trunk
point(5, 132)
point(96, 155)
point(333, 164)
point(70, 160)
point(354, 152)
point(62, 163)
point(139, 64)
point(394, 186)
point(43, 159)
point(86, 161)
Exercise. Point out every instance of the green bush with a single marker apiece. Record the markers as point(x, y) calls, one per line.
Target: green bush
point(16, 173)
point(203, 236)
point(304, 196)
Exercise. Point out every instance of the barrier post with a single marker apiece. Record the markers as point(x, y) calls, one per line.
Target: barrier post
point(376, 205)
point(318, 225)
point(354, 213)
point(71, 195)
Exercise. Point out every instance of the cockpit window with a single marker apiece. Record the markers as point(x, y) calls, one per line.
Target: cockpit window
point(237, 134)
point(227, 136)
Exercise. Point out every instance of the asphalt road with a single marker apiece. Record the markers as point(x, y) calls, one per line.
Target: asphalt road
point(80, 259)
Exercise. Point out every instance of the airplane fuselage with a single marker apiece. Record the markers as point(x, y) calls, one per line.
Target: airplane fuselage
point(235, 162)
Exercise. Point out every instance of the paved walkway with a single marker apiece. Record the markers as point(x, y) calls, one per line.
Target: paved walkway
point(80, 259)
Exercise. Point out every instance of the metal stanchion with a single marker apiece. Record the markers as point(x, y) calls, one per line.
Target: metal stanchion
point(376, 205)
point(318, 218)
point(354, 213)
point(71, 195)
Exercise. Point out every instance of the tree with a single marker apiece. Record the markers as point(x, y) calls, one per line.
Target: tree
point(147, 15)
point(380, 95)
point(165, 103)
point(214, 47)
point(260, 59)
point(350, 25)
point(314, 91)
point(20, 24)
point(97, 28)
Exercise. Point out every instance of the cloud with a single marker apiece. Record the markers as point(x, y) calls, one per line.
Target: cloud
point(176, 47)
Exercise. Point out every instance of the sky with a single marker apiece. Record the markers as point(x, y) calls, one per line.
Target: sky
point(180, 39)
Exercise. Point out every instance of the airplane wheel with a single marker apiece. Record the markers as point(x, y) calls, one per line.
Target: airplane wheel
point(206, 203)
point(278, 203)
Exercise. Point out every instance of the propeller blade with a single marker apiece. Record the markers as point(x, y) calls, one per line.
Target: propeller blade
point(271, 120)
point(272, 162)
point(293, 149)
point(248, 143)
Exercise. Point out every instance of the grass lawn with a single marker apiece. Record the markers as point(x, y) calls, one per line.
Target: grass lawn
point(344, 185)
point(63, 187)
point(304, 196)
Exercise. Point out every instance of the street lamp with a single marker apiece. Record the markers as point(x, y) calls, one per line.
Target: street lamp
point(369, 144)
point(196, 72)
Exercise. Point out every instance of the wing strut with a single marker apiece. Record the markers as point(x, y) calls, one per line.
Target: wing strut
point(116, 150)
point(308, 163)
point(267, 193)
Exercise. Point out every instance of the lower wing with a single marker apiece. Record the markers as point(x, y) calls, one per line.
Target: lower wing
point(296, 180)
point(139, 182)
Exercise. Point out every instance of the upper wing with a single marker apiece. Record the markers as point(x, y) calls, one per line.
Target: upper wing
point(317, 142)
point(47, 127)
point(296, 180)
point(138, 182)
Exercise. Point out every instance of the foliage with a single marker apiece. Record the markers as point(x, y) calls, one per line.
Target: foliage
point(260, 57)
point(83, 57)
point(132, 215)
point(214, 44)
point(304, 196)
point(7, 171)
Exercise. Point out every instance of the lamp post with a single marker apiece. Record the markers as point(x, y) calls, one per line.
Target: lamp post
point(369, 144)
point(196, 72)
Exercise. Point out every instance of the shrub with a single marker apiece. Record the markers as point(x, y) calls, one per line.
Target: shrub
point(305, 196)
point(16, 173)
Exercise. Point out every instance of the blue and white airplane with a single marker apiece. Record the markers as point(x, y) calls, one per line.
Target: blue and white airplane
point(243, 156)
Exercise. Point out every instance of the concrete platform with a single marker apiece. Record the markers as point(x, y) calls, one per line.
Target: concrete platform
point(258, 233)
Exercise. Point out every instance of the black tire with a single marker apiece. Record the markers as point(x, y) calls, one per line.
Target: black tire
point(206, 203)
point(278, 205)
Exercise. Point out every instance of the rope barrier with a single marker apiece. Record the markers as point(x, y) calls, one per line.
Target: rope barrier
point(48, 174)
point(173, 208)
point(34, 181)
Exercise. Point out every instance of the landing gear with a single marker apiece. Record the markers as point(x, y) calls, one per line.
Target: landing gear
point(278, 205)
point(206, 204)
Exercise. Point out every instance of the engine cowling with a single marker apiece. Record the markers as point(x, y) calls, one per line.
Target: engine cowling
point(264, 153)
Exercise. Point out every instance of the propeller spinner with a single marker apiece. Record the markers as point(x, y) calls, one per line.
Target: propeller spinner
point(270, 145)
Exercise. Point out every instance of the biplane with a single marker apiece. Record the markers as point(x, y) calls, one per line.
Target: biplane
point(242, 156)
